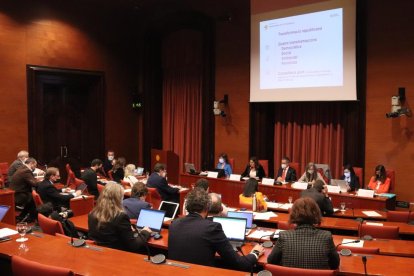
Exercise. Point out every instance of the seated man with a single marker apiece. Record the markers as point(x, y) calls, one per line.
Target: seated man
point(90, 177)
point(217, 208)
point(136, 202)
point(195, 239)
point(319, 193)
point(285, 172)
point(19, 162)
point(49, 193)
point(157, 180)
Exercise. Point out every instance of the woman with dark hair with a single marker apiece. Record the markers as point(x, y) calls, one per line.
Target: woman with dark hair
point(380, 183)
point(254, 169)
point(305, 246)
point(118, 169)
point(223, 163)
point(350, 177)
point(311, 174)
point(250, 188)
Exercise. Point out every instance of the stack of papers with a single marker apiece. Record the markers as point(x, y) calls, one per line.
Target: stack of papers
point(264, 216)
point(5, 232)
point(371, 213)
point(273, 205)
point(260, 233)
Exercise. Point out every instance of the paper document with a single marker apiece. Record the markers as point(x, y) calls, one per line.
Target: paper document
point(371, 213)
point(357, 244)
point(264, 216)
point(276, 235)
point(259, 234)
point(4, 232)
point(374, 223)
point(273, 205)
point(286, 206)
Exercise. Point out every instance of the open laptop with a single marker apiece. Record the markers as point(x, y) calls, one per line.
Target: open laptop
point(3, 211)
point(139, 171)
point(341, 183)
point(234, 229)
point(220, 172)
point(189, 168)
point(170, 209)
point(81, 187)
point(151, 218)
point(247, 215)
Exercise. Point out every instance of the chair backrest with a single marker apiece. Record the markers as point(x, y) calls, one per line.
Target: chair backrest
point(398, 216)
point(265, 165)
point(70, 177)
point(100, 188)
point(82, 205)
point(37, 199)
point(4, 168)
point(379, 232)
point(359, 172)
point(284, 225)
point(296, 166)
point(249, 205)
point(411, 216)
point(231, 162)
point(292, 271)
point(49, 226)
point(154, 197)
point(391, 175)
point(360, 250)
point(23, 267)
point(322, 173)
point(126, 184)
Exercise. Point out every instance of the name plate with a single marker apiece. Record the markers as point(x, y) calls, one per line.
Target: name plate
point(300, 185)
point(212, 174)
point(268, 181)
point(334, 189)
point(365, 193)
point(235, 177)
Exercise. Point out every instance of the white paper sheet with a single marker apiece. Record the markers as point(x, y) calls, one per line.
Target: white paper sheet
point(4, 232)
point(273, 205)
point(264, 216)
point(358, 244)
point(374, 223)
point(259, 234)
point(371, 213)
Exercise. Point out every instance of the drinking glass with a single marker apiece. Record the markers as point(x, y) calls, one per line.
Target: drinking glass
point(290, 199)
point(21, 227)
point(343, 206)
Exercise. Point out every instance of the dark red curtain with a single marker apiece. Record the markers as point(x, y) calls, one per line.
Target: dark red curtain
point(310, 132)
point(182, 95)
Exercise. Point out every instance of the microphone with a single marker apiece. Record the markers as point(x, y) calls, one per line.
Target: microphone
point(267, 244)
point(364, 261)
point(157, 259)
point(346, 251)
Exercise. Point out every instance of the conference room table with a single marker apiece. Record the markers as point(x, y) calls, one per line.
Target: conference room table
point(230, 191)
point(94, 260)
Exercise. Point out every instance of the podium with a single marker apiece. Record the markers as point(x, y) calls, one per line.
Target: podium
point(170, 159)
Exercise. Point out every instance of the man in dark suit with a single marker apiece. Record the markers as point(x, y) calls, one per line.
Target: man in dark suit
point(19, 162)
point(195, 239)
point(319, 193)
point(107, 165)
point(22, 183)
point(286, 173)
point(91, 178)
point(157, 180)
point(136, 202)
point(49, 193)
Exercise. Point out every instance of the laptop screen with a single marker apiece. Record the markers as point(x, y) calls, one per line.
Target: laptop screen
point(140, 171)
point(151, 218)
point(246, 215)
point(234, 228)
point(3, 211)
point(170, 208)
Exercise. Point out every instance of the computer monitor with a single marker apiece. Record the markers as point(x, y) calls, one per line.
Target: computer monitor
point(234, 228)
point(247, 215)
point(151, 218)
point(3, 211)
point(170, 209)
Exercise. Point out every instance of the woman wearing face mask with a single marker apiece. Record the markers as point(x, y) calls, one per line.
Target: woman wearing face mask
point(380, 183)
point(311, 174)
point(350, 177)
point(254, 169)
point(224, 164)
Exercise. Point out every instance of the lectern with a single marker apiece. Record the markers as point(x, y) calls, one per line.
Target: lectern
point(170, 159)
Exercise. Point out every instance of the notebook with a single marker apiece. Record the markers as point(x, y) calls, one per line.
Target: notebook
point(170, 209)
point(151, 218)
point(234, 229)
point(3, 211)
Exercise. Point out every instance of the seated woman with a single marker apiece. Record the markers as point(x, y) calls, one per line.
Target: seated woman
point(311, 174)
point(129, 174)
point(109, 225)
point(136, 202)
point(118, 169)
point(306, 246)
point(223, 164)
point(250, 188)
point(350, 177)
point(380, 183)
point(254, 169)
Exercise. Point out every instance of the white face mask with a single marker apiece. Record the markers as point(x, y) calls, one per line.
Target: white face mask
point(347, 174)
point(110, 157)
point(284, 166)
point(221, 160)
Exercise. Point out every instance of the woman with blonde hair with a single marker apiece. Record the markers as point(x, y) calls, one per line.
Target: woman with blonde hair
point(109, 225)
point(129, 174)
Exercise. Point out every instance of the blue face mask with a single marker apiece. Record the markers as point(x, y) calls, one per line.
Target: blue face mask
point(347, 174)
point(221, 160)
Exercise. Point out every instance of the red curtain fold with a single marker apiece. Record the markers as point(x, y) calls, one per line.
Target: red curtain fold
point(182, 90)
point(310, 132)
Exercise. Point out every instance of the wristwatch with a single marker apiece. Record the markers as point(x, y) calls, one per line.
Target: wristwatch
point(256, 253)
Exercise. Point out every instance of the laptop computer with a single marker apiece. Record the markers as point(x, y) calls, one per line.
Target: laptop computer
point(170, 209)
point(139, 171)
point(247, 215)
point(3, 211)
point(151, 218)
point(341, 183)
point(220, 172)
point(189, 168)
point(234, 229)
point(81, 187)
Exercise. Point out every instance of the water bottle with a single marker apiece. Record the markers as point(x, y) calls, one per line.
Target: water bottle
point(254, 203)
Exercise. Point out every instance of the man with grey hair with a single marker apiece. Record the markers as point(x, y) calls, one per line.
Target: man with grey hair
point(19, 162)
point(217, 208)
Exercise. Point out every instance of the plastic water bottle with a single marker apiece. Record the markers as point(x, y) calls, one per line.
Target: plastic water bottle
point(254, 203)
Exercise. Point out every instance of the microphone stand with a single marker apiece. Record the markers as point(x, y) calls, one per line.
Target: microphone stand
point(364, 261)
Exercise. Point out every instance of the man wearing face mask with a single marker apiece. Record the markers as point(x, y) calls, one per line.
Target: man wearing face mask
point(158, 180)
point(49, 193)
point(22, 183)
point(108, 161)
point(286, 173)
point(19, 162)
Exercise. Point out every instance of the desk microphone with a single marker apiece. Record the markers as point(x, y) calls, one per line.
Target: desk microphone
point(364, 261)
point(267, 244)
point(157, 259)
point(346, 251)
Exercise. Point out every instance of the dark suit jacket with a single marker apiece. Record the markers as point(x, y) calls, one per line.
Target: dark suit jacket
point(117, 234)
point(13, 168)
point(91, 180)
point(354, 184)
point(260, 173)
point(196, 240)
point(290, 174)
point(133, 206)
point(107, 165)
point(305, 247)
point(49, 193)
point(323, 202)
point(166, 192)
point(22, 182)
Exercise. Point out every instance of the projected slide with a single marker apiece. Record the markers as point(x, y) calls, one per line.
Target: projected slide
point(302, 51)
